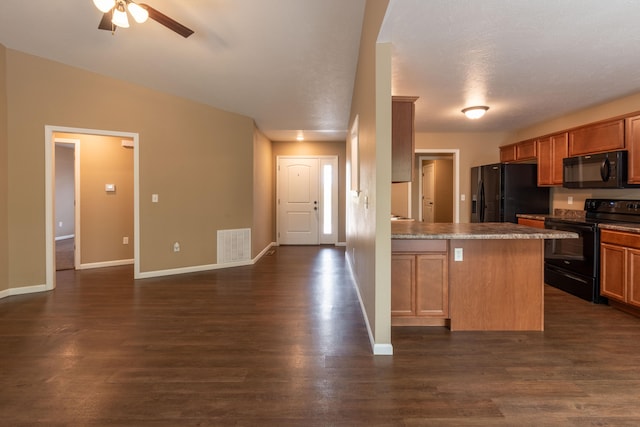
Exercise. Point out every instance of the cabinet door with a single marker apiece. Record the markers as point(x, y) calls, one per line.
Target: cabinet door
point(597, 138)
point(403, 270)
point(508, 153)
point(612, 272)
point(526, 150)
point(545, 162)
point(633, 277)
point(402, 138)
point(633, 147)
point(559, 150)
point(531, 222)
point(432, 287)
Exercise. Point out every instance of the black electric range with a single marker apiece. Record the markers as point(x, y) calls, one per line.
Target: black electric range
point(573, 265)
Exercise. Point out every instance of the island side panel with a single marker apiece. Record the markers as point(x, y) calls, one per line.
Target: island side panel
point(498, 286)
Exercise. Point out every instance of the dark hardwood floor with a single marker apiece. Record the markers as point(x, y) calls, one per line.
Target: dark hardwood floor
point(283, 343)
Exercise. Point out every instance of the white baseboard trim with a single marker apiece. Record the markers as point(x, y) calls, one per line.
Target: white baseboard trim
point(104, 264)
point(68, 236)
point(378, 349)
point(23, 290)
point(206, 267)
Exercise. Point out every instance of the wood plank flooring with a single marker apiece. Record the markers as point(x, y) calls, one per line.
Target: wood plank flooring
point(283, 343)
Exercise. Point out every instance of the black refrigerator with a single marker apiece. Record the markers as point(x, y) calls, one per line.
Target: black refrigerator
point(502, 190)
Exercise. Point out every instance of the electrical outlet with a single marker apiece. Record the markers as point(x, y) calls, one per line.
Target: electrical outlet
point(570, 200)
point(60, 224)
point(125, 240)
point(154, 198)
point(176, 247)
point(457, 254)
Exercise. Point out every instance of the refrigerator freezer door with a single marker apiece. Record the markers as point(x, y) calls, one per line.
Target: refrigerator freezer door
point(492, 181)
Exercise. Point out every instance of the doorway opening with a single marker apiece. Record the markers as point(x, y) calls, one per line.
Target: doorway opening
point(307, 200)
point(446, 185)
point(409, 197)
point(104, 187)
point(67, 181)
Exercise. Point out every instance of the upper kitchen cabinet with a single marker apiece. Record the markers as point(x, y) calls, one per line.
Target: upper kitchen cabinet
point(402, 138)
point(633, 146)
point(551, 150)
point(597, 138)
point(520, 151)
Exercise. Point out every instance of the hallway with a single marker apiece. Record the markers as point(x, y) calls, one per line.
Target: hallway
point(283, 343)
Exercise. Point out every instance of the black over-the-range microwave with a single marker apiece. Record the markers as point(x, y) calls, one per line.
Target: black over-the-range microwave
point(601, 170)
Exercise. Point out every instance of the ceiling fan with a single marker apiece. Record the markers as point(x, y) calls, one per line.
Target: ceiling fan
point(115, 15)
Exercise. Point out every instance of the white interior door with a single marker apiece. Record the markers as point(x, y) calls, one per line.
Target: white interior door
point(428, 190)
point(298, 203)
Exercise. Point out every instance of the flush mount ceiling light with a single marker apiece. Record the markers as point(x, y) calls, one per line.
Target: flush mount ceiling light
point(115, 15)
point(475, 112)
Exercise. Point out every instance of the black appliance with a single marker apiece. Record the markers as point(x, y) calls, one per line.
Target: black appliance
point(502, 190)
point(602, 170)
point(573, 265)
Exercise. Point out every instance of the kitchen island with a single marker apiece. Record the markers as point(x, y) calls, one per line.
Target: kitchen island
point(477, 276)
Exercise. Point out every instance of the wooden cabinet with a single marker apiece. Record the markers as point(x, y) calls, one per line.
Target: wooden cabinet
point(632, 142)
point(402, 138)
point(597, 137)
point(508, 153)
point(419, 283)
point(537, 223)
point(551, 151)
point(525, 150)
point(620, 267)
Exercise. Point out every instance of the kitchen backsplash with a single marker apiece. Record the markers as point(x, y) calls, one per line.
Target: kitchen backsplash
point(569, 213)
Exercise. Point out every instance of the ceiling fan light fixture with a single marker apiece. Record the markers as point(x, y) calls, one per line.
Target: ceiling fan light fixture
point(104, 6)
point(138, 12)
point(120, 16)
point(475, 112)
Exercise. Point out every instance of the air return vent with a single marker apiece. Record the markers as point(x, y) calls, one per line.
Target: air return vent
point(234, 245)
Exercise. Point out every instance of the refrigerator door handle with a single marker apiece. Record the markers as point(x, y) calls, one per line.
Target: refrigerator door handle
point(481, 201)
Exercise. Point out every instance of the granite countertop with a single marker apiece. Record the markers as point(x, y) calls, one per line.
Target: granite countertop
point(627, 227)
point(486, 230)
point(537, 217)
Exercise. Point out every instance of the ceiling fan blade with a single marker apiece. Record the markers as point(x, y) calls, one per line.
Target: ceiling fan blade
point(105, 22)
point(167, 22)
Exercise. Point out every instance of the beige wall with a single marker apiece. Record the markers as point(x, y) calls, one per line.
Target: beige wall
point(262, 234)
point(443, 190)
point(317, 148)
point(368, 229)
point(65, 191)
point(189, 153)
point(400, 200)
point(4, 186)
point(475, 149)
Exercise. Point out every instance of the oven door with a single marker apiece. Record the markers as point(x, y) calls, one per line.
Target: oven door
point(575, 255)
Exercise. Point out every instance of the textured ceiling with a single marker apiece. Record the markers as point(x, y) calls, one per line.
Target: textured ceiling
point(528, 60)
point(290, 64)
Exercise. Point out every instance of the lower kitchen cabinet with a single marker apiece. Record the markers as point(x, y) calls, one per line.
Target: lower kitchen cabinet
point(620, 268)
point(537, 223)
point(419, 288)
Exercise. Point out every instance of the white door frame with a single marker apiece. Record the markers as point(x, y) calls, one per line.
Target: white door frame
point(322, 239)
point(76, 195)
point(456, 177)
point(49, 173)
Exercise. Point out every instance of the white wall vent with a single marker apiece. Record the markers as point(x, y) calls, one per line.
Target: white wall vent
point(234, 245)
